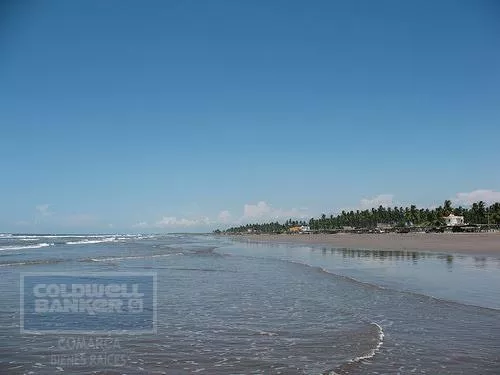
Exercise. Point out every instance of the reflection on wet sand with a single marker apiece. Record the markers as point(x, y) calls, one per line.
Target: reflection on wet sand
point(382, 255)
point(409, 256)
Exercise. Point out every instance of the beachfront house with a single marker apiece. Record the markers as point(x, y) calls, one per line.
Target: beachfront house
point(299, 229)
point(452, 220)
point(382, 227)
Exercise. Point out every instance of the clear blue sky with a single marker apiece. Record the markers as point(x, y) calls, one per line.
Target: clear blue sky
point(134, 116)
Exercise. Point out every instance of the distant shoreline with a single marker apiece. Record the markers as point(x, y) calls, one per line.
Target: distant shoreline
point(465, 243)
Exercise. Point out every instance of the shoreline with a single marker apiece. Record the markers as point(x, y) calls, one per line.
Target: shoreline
point(463, 243)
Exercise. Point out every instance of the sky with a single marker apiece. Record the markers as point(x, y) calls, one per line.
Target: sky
point(174, 116)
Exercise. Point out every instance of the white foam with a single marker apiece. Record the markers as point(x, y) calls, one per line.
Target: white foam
point(37, 246)
point(90, 237)
point(62, 236)
point(87, 241)
point(373, 351)
point(29, 262)
point(265, 333)
point(131, 257)
point(13, 264)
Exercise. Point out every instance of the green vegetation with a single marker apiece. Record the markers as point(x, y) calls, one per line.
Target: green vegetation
point(401, 217)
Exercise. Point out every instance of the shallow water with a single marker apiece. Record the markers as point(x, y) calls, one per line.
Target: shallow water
point(241, 308)
point(455, 277)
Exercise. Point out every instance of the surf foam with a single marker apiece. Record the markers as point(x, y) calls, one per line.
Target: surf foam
point(371, 353)
point(37, 246)
point(91, 241)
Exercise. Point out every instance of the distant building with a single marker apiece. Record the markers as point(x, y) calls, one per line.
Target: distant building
point(384, 226)
point(452, 220)
point(299, 229)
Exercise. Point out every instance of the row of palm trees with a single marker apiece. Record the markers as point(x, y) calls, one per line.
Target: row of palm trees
point(477, 213)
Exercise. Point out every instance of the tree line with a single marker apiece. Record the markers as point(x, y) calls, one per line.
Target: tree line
point(477, 213)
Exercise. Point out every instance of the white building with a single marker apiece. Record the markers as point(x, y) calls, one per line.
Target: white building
point(384, 226)
point(452, 220)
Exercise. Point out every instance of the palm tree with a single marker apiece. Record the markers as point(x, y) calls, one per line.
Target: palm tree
point(447, 209)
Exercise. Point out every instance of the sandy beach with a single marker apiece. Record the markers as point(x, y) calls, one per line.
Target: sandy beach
point(470, 243)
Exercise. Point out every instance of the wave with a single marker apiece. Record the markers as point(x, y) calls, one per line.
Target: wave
point(11, 238)
point(407, 292)
point(344, 277)
point(34, 236)
point(29, 236)
point(92, 260)
point(33, 262)
point(88, 241)
point(36, 246)
point(109, 259)
point(347, 366)
point(371, 353)
point(200, 269)
point(203, 251)
point(265, 333)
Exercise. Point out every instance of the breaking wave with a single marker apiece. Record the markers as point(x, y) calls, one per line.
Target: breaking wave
point(37, 246)
point(32, 262)
point(347, 366)
point(371, 353)
point(110, 259)
point(88, 241)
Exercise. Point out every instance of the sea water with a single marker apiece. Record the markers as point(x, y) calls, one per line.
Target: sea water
point(226, 307)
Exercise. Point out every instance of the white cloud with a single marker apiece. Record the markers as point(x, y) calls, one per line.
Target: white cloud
point(256, 210)
point(384, 200)
point(172, 221)
point(224, 216)
point(43, 209)
point(488, 196)
point(261, 211)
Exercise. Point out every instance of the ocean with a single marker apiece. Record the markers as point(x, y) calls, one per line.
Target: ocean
point(229, 307)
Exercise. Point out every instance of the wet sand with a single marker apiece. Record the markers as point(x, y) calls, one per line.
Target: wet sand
point(469, 243)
